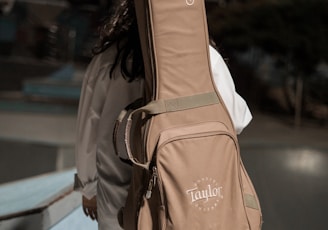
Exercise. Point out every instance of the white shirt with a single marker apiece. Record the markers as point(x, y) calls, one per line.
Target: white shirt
point(236, 105)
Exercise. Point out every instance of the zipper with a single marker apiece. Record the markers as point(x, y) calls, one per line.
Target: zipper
point(198, 135)
point(153, 93)
point(152, 182)
point(149, 21)
point(198, 130)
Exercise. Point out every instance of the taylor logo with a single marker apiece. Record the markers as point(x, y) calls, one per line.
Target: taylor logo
point(190, 2)
point(206, 194)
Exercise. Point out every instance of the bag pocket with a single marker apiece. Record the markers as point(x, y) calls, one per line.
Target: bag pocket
point(199, 178)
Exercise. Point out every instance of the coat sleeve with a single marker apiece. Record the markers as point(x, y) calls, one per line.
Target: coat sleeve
point(236, 105)
point(92, 100)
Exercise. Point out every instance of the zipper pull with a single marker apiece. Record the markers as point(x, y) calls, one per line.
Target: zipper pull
point(152, 183)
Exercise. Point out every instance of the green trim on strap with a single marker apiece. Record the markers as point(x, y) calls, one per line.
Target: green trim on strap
point(181, 103)
point(250, 201)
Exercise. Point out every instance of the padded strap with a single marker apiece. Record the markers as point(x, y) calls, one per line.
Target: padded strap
point(164, 106)
point(132, 106)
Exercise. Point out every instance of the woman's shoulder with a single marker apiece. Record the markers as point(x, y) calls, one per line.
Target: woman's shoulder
point(99, 65)
point(105, 58)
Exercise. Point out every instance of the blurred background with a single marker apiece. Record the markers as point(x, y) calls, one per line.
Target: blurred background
point(276, 51)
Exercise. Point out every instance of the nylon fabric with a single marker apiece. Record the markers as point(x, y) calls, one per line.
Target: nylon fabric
point(188, 174)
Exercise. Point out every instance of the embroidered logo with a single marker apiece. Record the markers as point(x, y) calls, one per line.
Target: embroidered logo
point(206, 194)
point(190, 2)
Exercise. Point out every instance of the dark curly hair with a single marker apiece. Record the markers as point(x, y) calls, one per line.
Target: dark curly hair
point(120, 29)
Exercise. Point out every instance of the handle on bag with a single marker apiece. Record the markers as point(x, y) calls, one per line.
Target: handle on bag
point(132, 106)
point(164, 106)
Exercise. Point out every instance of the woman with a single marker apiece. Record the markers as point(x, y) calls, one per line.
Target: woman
point(112, 81)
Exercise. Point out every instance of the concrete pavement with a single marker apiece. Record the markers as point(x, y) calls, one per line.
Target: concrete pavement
point(271, 130)
point(289, 169)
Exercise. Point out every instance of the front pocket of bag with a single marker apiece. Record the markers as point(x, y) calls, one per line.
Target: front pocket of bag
point(198, 170)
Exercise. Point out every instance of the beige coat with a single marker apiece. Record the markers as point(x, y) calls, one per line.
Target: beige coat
point(99, 171)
